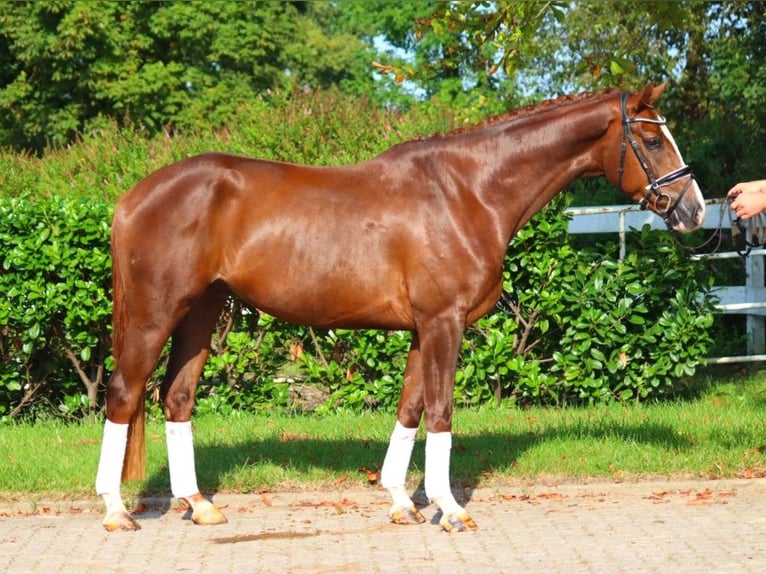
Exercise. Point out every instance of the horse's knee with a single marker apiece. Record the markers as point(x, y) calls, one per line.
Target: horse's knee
point(410, 407)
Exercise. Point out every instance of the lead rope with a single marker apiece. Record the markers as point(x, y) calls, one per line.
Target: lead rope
point(753, 227)
point(717, 234)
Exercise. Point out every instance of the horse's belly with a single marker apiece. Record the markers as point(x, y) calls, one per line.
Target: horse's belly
point(333, 299)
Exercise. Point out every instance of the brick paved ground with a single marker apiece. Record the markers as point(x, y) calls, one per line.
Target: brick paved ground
point(679, 527)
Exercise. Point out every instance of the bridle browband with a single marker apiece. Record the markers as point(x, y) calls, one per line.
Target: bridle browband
point(663, 203)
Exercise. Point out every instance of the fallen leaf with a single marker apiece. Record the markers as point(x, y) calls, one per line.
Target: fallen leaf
point(702, 498)
point(339, 481)
point(659, 496)
point(290, 436)
point(515, 497)
point(373, 476)
point(705, 494)
point(551, 496)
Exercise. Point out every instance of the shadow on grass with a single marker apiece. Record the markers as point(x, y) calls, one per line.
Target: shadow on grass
point(474, 457)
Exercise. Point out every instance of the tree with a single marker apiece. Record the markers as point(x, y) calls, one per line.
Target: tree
point(465, 54)
point(70, 66)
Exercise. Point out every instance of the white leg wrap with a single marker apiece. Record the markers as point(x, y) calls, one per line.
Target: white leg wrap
point(399, 497)
point(393, 475)
point(438, 447)
point(109, 473)
point(183, 476)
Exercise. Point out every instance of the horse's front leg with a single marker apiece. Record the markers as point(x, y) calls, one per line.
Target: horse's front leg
point(393, 476)
point(440, 340)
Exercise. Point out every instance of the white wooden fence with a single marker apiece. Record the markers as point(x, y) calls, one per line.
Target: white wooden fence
point(748, 299)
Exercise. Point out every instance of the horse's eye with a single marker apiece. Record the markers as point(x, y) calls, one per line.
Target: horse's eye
point(653, 143)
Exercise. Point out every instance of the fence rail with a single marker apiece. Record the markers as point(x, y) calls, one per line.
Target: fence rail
point(748, 299)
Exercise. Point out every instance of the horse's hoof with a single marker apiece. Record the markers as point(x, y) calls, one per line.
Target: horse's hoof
point(459, 522)
point(406, 515)
point(120, 521)
point(208, 515)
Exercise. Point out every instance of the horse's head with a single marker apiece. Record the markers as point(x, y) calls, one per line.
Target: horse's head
point(648, 166)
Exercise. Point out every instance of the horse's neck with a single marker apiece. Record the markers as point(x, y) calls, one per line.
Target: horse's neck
point(527, 161)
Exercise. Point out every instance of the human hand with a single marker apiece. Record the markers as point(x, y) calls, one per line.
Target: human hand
point(758, 185)
point(748, 198)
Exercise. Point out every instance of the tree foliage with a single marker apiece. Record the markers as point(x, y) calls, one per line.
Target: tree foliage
point(68, 66)
point(71, 66)
point(484, 56)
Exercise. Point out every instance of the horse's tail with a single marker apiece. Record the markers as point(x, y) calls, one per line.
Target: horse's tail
point(134, 466)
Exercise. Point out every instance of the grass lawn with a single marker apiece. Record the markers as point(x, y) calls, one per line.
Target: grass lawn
point(721, 433)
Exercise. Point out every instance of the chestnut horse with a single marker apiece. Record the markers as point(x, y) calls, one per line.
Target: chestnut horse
point(412, 239)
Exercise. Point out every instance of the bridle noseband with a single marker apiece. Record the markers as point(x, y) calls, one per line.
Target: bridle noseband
point(663, 203)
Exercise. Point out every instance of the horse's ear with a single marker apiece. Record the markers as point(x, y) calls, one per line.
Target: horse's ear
point(651, 94)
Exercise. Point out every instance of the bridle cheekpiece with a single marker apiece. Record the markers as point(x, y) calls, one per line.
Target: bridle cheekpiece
point(663, 203)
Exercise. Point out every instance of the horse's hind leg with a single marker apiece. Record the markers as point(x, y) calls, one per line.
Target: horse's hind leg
point(125, 393)
point(188, 353)
point(393, 475)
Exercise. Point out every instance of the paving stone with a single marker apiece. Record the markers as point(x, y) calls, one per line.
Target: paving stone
point(662, 527)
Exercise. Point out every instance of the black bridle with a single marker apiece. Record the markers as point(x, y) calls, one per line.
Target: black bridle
point(663, 203)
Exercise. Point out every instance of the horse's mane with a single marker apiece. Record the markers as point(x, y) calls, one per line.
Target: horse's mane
point(530, 110)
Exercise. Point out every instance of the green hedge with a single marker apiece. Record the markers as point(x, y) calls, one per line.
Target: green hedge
point(573, 326)
point(322, 128)
point(55, 310)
